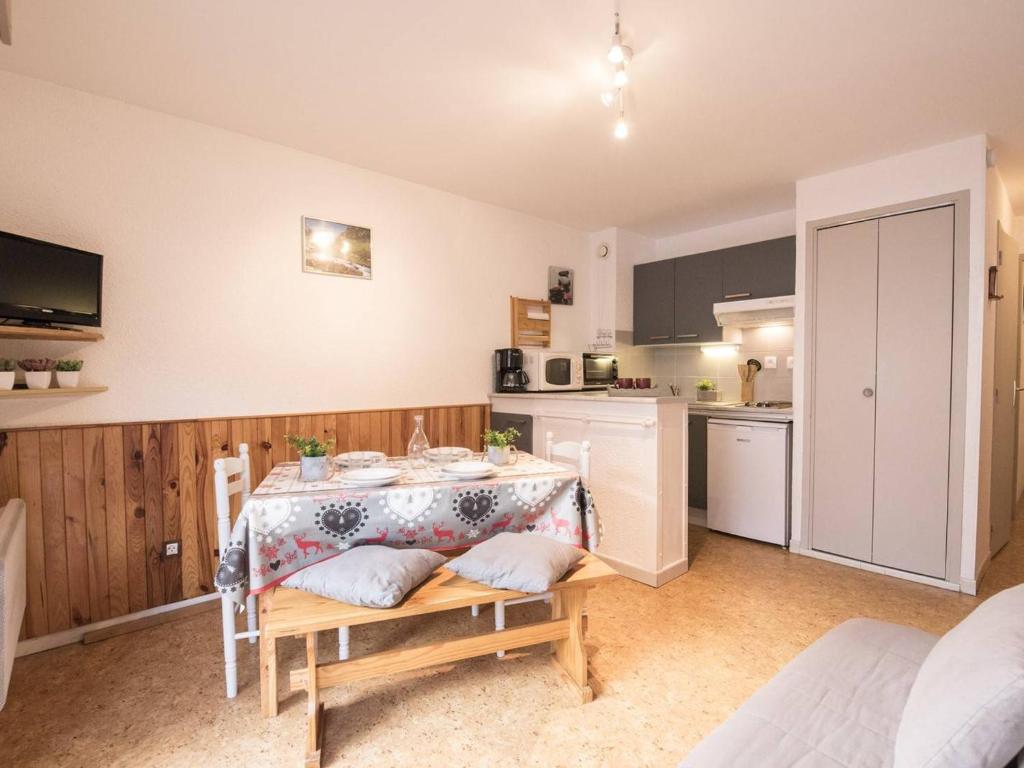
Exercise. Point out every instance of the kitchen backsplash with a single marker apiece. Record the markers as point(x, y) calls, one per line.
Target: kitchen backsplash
point(685, 366)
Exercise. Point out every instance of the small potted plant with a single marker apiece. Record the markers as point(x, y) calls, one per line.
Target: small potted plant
point(706, 391)
point(499, 446)
point(6, 373)
point(68, 372)
point(38, 372)
point(313, 459)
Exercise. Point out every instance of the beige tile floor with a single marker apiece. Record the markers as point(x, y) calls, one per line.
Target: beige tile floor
point(670, 664)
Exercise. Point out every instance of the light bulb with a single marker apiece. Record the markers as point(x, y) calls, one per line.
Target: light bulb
point(607, 98)
point(621, 129)
point(616, 54)
point(621, 78)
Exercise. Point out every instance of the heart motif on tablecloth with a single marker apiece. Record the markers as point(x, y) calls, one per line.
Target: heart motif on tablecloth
point(342, 520)
point(231, 573)
point(532, 491)
point(266, 516)
point(474, 506)
point(410, 504)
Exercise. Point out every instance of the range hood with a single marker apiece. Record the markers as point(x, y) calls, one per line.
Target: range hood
point(754, 313)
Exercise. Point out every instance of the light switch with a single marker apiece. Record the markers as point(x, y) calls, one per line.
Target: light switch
point(789, 362)
point(770, 361)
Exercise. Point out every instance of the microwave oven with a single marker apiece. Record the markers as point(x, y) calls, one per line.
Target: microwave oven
point(552, 371)
point(599, 370)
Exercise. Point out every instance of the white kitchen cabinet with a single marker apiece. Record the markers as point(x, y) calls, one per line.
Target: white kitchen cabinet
point(881, 392)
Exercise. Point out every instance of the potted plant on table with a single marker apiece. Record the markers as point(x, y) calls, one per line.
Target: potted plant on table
point(38, 372)
point(313, 459)
point(6, 373)
point(68, 372)
point(707, 392)
point(500, 445)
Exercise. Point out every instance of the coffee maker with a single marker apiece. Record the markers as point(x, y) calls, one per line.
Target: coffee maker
point(509, 375)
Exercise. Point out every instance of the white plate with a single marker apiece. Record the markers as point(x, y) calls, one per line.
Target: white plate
point(359, 458)
point(447, 454)
point(371, 477)
point(470, 470)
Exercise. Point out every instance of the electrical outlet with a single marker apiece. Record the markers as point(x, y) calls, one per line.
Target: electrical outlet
point(789, 362)
point(770, 361)
point(172, 548)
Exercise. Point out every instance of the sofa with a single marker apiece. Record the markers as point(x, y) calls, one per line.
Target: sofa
point(870, 694)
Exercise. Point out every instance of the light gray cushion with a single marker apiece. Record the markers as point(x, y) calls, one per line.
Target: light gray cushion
point(524, 562)
point(371, 576)
point(967, 705)
point(837, 704)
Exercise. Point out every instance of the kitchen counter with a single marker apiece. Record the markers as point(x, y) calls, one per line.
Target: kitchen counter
point(594, 396)
point(600, 398)
point(739, 411)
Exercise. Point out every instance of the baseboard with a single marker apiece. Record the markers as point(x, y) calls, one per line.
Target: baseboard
point(75, 635)
point(650, 578)
point(931, 581)
point(970, 586)
point(697, 516)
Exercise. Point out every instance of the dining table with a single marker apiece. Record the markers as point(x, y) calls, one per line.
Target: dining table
point(288, 524)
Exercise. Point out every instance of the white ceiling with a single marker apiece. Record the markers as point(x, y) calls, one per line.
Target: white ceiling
point(731, 100)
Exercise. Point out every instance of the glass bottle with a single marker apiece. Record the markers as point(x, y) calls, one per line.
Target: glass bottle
point(418, 444)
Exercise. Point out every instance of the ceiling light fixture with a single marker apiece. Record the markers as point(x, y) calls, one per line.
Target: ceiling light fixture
point(619, 55)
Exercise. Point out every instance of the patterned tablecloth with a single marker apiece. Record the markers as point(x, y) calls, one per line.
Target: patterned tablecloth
point(288, 524)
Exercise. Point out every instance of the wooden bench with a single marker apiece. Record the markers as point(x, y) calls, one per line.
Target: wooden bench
point(292, 613)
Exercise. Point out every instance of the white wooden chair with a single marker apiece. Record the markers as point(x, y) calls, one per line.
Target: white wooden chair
point(568, 454)
point(224, 489)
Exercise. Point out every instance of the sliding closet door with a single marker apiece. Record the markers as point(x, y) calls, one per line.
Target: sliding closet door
point(915, 347)
point(843, 435)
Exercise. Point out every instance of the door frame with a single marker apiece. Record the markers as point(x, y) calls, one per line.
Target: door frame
point(1017, 489)
point(961, 202)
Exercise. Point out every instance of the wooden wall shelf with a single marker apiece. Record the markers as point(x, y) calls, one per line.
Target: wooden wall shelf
point(28, 333)
point(52, 392)
point(531, 322)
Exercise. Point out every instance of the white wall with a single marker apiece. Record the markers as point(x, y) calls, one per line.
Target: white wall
point(753, 230)
point(943, 169)
point(206, 309)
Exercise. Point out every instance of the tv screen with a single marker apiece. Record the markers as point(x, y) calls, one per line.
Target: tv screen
point(43, 282)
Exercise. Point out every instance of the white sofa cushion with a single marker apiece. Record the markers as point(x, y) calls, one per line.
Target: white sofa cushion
point(837, 704)
point(966, 708)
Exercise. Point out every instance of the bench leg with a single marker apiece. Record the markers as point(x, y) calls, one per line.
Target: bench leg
point(314, 710)
point(499, 621)
point(268, 669)
point(343, 643)
point(570, 653)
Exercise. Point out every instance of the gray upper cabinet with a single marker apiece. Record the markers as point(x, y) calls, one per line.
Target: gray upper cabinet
point(759, 270)
point(673, 299)
point(654, 303)
point(698, 285)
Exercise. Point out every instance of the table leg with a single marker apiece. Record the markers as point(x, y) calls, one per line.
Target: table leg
point(570, 652)
point(315, 710)
point(268, 666)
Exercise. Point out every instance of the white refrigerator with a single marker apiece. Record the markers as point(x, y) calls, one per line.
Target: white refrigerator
point(748, 479)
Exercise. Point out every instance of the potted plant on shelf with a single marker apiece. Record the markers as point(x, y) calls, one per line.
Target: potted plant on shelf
point(38, 372)
point(68, 372)
point(313, 459)
point(499, 445)
point(706, 391)
point(6, 373)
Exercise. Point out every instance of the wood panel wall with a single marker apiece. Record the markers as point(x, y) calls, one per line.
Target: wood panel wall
point(102, 500)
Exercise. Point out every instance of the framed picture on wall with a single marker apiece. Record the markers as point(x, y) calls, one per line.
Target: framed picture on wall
point(560, 285)
point(330, 248)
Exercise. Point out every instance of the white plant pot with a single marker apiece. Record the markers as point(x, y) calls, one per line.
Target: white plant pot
point(708, 395)
point(6, 379)
point(38, 379)
point(500, 456)
point(67, 379)
point(313, 468)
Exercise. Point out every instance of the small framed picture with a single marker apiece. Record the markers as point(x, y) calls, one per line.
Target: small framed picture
point(330, 248)
point(560, 285)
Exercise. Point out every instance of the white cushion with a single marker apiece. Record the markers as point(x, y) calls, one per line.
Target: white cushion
point(372, 576)
point(966, 709)
point(523, 562)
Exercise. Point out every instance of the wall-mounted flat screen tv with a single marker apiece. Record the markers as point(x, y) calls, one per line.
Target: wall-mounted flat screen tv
point(44, 283)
